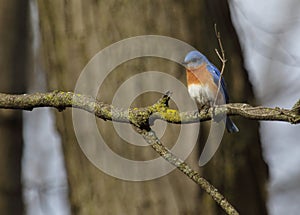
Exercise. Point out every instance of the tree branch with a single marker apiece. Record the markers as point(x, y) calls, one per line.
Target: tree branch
point(155, 143)
point(140, 116)
point(143, 117)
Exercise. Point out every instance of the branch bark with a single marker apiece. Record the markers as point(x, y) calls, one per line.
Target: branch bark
point(140, 116)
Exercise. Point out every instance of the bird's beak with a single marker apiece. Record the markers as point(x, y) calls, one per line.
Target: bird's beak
point(184, 63)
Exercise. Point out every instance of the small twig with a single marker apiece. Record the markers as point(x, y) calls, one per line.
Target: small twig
point(164, 152)
point(222, 59)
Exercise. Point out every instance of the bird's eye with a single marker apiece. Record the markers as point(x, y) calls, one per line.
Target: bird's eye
point(194, 60)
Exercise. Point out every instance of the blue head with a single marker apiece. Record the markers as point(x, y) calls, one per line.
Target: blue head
point(194, 59)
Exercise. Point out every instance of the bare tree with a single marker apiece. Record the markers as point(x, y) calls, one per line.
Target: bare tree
point(73, 31)
point(13, 56)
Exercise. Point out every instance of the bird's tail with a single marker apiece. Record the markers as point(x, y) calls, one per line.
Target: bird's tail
point(231, 127)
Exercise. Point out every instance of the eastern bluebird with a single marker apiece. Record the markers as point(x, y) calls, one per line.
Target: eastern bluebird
point(202, 81)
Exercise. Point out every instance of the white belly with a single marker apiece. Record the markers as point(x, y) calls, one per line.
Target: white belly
point(201, 94)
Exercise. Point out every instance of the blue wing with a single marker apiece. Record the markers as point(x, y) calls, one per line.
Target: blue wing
point(216, 75)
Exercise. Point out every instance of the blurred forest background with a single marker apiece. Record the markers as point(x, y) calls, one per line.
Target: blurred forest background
point(46, 44)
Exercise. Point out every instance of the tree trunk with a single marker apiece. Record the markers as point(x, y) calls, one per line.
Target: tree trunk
point(74, 31)
point(13, 56)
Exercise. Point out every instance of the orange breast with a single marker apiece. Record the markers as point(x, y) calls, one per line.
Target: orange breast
point(203, 77)
point(198, 76)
